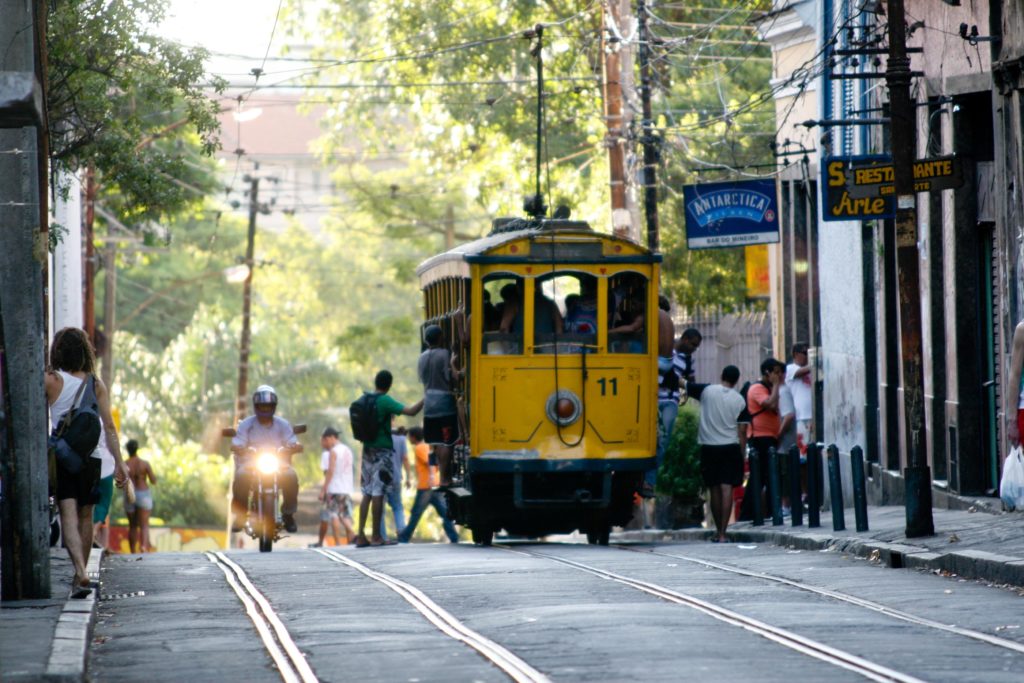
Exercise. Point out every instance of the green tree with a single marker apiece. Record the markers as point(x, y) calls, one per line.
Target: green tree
point(129, 104)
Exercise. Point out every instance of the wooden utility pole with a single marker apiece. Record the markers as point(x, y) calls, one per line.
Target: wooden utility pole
point(89, 294)
point(917, 475)
point(25, 532)
point(449, 227)
point(649, 141)
point(243, 355)
point(109, 312)
point(615, 138)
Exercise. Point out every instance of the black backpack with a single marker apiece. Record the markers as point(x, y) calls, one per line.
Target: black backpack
point(76, 435)
point(363, 416)
point(746, 415)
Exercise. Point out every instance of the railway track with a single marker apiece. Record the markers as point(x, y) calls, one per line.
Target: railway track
point(807, 646)
point(290, 661)
point(517, 669)
point(840, 596)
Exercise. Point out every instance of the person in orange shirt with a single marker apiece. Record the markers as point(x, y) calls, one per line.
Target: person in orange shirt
point(426, 479)
point(765, 424)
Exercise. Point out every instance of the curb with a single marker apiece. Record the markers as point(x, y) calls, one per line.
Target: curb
point(74, 631)
point(969, 564)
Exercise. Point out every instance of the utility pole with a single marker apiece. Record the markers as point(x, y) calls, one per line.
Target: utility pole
point(649, 141)
point(109, 312)
point(89, 294)
point(24, 534)
point(917, 475)
point(615, 138)
point(449, 228)
point(243, 354)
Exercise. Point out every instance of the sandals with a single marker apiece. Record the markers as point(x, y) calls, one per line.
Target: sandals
point(80, 588)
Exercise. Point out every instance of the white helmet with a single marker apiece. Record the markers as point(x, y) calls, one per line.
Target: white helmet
point(263, 397)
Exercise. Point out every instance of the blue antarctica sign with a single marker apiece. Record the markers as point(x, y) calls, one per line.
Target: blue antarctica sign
point(731, 214)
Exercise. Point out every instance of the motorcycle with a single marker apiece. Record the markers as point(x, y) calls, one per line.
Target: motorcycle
point(263, 520)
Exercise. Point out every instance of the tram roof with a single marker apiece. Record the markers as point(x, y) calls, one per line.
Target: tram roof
point(455, 262)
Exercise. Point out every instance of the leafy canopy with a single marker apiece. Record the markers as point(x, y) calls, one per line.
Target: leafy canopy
point(130, 104)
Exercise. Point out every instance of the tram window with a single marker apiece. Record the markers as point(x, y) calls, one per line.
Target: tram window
point(502, 317)
point(627, 304)
point(565, 313)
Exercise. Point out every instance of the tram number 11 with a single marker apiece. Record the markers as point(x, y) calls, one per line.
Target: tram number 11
point(606, 383)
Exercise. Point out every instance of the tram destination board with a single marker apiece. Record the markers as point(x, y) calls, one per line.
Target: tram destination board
point(861, 187)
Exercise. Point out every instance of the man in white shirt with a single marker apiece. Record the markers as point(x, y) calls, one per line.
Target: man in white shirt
point(798, 379)
point(336, 494)
point(723, 439)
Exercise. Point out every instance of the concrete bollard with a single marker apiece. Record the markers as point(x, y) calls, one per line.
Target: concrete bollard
point(860, 493)
point(796, 504)
point(835, 488)
point(813, 485)
point(754, 487)
point(774, 487)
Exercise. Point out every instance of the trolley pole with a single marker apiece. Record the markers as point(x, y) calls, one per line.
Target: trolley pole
point(649, 140)
point(917, 475)
point(243, 354)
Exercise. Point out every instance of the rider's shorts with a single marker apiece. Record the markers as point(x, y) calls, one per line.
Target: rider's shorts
point(336, 505)
point(376, 471)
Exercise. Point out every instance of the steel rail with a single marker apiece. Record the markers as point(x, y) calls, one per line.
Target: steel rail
point(844, 597)
point(517, 669)
point(291, 663)
point(801, 644)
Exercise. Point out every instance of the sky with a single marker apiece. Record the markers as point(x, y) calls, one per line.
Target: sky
point(240, 27)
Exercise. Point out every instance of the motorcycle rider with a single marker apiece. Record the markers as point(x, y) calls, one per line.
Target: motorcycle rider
point(264, 430)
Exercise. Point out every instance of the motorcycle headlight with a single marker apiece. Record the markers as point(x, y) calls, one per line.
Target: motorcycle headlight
point(266, 463)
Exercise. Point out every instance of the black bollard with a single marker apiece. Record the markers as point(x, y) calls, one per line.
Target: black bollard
point(835, 488)
point(754, 488)
point(813, 485)
point(860, 493)
point(774, 487)
point(796, 505)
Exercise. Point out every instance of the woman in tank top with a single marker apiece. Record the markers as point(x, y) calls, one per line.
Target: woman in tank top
point(72, 361)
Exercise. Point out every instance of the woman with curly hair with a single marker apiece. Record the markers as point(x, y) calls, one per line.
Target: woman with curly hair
point(73, 361)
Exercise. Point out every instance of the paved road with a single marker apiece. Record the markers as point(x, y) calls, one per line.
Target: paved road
point(563, 621)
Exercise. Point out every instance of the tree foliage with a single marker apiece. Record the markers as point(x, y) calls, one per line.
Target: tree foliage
point(451, 91)
point(129, 104)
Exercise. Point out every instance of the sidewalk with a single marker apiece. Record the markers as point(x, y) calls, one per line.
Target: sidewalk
point(976, 543)
point(46, 640)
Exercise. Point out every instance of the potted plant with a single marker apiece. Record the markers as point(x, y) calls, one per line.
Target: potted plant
point(678, 503)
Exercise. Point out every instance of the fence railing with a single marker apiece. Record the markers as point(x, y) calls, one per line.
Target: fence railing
point(741, 338)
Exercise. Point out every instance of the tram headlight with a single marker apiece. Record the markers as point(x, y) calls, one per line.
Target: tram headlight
point(266, 463)
point(563, 407)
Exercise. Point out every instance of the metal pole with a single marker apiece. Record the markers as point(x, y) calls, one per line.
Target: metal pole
point(754, 488)
point(796, 504)
point(650, 142)
point(243, 354)
point(917, 475)
point(774, 487)
point(860, 497)
point(835, 488)
point(813, 485)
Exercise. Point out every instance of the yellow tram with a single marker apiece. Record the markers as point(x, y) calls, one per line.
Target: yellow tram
point(555, 327)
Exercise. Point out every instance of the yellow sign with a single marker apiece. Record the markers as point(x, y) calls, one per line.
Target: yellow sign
point(758, 280)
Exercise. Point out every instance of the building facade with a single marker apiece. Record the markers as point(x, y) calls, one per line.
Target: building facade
point(835, 280)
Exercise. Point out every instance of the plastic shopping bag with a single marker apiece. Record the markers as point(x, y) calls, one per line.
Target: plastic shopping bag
point(1011, 488)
